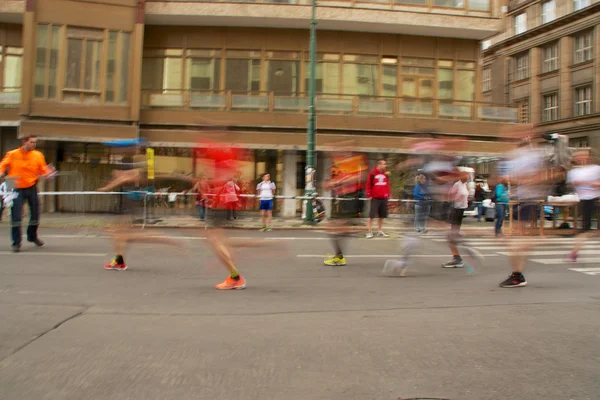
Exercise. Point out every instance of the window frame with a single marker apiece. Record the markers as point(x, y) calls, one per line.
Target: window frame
point(522, 66)
point(577, 4)
point(553, 110)
point(10, 51)
point(580, 104)
point(579, 54)
point(547, 63)
point(545, 13)
point(523, 110)
point(520, 26)
point(486, 79)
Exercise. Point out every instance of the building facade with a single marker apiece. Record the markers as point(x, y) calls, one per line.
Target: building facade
point(79, 73)
point(547, 64)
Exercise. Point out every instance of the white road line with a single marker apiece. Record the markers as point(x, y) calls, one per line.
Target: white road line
point(46, 254)
point(500, 241)
point(548, 253)
point(557, 261)
point(587, 271)
point(383, 255)
point(554, 246)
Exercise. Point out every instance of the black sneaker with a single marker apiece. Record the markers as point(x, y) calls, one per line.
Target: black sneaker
point(515, 279)
point(16, 248)
point(454, 263)
point(37, 242)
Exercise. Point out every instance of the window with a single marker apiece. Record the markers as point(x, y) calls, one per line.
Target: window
point(10, 69)
point(243, 75)
point(162, 71)
point(486, 81)
point(327, 74)
point(46, 61)
point(550, 107)
point(522, 66)
point(479, 5)
point(580, 4)
point(418, 77)
point(548, 11)
point(203, 70)
point(580, 142)
point(88, 53)
point(283, 77)
point(583, 101)
point(486, 44)
point(465, 85)
point(583, 47)
point(360, 75)
point(550, 58)
point(389, 78)
point(520, 23)
point(523, 111)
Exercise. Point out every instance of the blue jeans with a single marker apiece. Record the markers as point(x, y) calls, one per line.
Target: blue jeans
point(479, 211)
point(29, 195)
point(500, 214)
point(202, 210)
point(422, 209)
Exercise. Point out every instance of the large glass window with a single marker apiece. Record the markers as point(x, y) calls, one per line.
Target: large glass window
point(389, 77)
point(327, 75)
point(445, 83)
point(550, 60)
point(479, 5)
point(46, 62)
point(203, 70)
point(88, 53)
point(11, 67)
point(243, 75)
point(360, 75)
point(283, 77)
point(465, 85)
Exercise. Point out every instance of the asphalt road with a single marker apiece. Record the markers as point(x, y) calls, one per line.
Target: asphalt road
point(301, 330)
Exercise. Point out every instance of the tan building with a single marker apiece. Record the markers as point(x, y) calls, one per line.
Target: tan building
point(78, 73)
point(547, 63)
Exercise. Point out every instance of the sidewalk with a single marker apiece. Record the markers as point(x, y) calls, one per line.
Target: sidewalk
point(68, 220)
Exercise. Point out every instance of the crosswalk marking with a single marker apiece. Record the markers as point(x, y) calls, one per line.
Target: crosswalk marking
point(546, 253)
point(587, 271)
point(558, 261)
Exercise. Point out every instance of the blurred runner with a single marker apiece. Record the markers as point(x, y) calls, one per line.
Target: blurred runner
point(586, 180)
point(348, 175)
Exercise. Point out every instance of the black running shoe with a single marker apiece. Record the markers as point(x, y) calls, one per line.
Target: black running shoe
point(454, 263)
point(516, 279)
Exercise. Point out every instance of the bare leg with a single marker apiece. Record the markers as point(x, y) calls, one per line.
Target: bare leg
point(217, 242)
point(370, 224)
point(263, 217)
point(380, 224)
point(269, 217)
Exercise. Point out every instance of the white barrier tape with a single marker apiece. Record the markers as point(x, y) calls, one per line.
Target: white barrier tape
point(155, 194)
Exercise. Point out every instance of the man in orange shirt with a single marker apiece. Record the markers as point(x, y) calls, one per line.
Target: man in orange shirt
point(25, 165)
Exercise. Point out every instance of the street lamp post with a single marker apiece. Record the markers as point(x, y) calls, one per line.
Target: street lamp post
point(310, 171)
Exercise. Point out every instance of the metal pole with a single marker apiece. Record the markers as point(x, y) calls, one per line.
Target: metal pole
point(310, 152)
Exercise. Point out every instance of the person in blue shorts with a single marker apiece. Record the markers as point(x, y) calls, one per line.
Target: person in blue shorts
point(265, 191)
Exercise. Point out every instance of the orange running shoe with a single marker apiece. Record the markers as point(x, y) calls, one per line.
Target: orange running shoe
point(232, 284)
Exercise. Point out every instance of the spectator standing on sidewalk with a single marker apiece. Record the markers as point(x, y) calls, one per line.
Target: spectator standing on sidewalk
point(26, 165)
point(479, 197)
point(422, 205)
point(502, 198)
point(378, 191)
point(266, 190)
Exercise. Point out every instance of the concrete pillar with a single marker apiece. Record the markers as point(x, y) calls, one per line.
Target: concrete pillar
point(289, 183)
point(535, 100)
point(565, 102)
point(596, 89)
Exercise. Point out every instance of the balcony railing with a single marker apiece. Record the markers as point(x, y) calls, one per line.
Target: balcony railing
point(328, 104)
point(10, 99)
point(471, 5)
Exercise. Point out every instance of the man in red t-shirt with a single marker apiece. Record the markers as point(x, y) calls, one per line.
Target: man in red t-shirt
point(378, 191)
